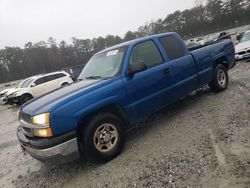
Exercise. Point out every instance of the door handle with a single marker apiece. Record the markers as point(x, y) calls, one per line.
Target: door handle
point(167, 70)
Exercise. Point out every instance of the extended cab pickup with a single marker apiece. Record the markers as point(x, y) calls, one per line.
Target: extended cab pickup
point(118, 87)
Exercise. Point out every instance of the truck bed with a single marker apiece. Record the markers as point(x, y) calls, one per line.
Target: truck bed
point(206, 55)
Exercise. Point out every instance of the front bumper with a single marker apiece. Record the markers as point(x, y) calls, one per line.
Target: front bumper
point(4, 100)
point(245, 56)
point(14, 99)
point(61, 149)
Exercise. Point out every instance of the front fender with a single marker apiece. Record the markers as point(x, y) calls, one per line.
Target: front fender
point(67, 116)
point(20, 93)
point(95, 107)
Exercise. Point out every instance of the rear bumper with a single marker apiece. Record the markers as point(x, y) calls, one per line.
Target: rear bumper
point(57, 150)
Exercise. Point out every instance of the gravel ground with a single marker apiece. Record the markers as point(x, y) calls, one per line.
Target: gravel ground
point(201, 141)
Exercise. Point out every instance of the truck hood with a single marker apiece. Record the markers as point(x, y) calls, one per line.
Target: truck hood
point(47, 102)
point(242, 45)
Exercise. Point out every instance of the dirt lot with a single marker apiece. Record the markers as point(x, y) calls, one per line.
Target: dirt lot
point(201, 141)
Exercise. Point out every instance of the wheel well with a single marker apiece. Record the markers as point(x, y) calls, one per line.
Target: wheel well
point(64, 83)
point(114, 109)
point(27, 94)
point(223, 61)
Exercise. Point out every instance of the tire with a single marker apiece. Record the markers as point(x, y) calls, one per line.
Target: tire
point(219, 80)
point(104, 137)
point(25, 98)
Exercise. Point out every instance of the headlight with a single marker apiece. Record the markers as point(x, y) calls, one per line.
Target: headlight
point(41, 119)
point(43, 129)
point(47, 132)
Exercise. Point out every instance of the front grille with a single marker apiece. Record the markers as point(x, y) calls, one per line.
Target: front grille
point(242, 53)
point(25, 117)
point(27, 131)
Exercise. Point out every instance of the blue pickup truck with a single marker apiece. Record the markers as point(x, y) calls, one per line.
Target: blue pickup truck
point(119, 87)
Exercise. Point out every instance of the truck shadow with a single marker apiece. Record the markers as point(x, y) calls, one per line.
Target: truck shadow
point(59, 174)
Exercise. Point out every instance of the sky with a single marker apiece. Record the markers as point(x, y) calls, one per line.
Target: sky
point(23, 21)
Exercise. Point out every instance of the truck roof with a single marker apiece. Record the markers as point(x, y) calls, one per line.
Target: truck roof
point(131, 42)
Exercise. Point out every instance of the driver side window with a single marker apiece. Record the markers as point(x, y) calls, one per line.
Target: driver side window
point(146, 52)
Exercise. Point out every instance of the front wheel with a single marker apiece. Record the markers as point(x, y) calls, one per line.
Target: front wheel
point(25, 98)
point(219, 80)
point(104, 137)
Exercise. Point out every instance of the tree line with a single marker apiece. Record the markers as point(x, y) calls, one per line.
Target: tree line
point(204, 18)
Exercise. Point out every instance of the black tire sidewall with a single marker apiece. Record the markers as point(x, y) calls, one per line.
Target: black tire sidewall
point(89, 148)
point(214, 85)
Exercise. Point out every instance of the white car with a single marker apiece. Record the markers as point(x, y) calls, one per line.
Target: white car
point(4, 93)
point(242, 49)
point(39, 85)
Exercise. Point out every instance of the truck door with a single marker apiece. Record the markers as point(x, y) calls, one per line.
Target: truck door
point(145, 89)
point(182, 65)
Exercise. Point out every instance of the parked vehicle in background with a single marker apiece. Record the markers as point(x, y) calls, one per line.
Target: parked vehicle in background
point(38, 85)
point(191, 44)
point(217, 37)
point(74, 71)
point(4, 93)
point(242, 49)
point(118, 87)
point(239, 35)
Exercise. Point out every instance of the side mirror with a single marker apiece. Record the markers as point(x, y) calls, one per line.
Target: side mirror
point(33, 85)
point(136, 67)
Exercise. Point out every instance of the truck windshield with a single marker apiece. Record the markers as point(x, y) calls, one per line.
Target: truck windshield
point(103, 65)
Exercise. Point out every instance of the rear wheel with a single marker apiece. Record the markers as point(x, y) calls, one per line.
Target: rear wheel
point(25, 98)
point(220, 79)
point(104, 137)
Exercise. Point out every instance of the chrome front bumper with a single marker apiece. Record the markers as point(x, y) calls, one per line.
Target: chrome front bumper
point(60, 153)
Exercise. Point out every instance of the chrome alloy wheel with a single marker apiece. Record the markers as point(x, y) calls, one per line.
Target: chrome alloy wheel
point(105, 137)
point(221, 78)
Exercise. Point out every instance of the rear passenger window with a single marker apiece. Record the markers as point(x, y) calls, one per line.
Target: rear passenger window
point(50, 78)
point(173, 47)
point(60, 75)
point(147, 53)
point(40, 81)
